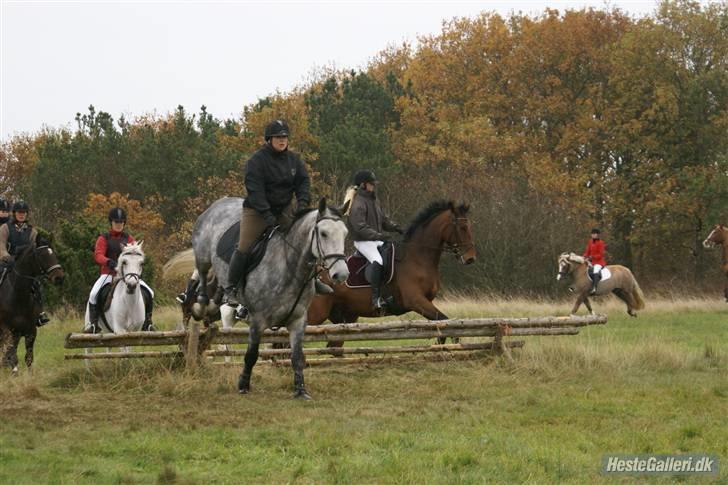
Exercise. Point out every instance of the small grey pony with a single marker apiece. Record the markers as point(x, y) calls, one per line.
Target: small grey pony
point(279, 290)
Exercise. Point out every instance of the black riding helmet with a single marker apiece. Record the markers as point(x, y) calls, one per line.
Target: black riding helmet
point(21, 206)
point(4, 205)
point(364, 176)
point(276, 128)
point(117, 214)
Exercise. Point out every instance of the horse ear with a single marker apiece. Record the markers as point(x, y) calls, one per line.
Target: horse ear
point(141, 243)
point(322, 205)
point(464, 208)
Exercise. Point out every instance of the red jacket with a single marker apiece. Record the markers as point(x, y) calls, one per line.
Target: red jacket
point(104, 251)
point(595, 249)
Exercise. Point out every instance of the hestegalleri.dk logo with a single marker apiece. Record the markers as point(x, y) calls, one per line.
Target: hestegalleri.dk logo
point(700, 464)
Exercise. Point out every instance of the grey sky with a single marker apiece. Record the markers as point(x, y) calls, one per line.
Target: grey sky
point(134, 57)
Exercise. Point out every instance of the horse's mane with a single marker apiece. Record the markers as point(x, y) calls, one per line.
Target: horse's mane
point(301, 213)
point(574, 258)
point(427, 213)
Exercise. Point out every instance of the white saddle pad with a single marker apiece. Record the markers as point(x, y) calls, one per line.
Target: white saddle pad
point(606, 274)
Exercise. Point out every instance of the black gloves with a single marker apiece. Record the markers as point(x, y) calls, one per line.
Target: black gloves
point(398, 229)
point(111, 264)
point(270, 219)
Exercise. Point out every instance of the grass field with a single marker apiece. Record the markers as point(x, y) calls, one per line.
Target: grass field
point(655, 384)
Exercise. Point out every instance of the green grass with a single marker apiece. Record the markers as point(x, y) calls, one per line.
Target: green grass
point(655, 384)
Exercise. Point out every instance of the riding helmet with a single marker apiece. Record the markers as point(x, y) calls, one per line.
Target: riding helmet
point(21, 206)
point(364, 176)
point(117, 214)
point(4, 205)
point(596, 231)
point(276, 128)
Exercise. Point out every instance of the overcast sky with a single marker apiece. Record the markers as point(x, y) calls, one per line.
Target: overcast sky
point(132, 57)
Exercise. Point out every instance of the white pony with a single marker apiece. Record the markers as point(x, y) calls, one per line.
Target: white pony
point(126, 312)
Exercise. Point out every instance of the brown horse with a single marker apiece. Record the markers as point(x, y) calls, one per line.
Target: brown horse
point(441, 226)
point(19, 299)
point(621, 282)
point(718, 237)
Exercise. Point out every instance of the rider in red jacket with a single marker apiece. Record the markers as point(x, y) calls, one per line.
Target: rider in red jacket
point(594, 252)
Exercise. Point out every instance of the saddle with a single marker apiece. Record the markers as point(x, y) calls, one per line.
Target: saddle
point(360, 277)
point(106, 294)
point(229, 242)
point(606, 274)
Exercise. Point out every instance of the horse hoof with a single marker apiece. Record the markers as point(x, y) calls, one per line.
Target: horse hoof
point(302, 395)
point(15, 371)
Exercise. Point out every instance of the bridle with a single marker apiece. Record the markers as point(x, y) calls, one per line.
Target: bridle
point(123, 276)
point(457, 248)
point(322, 258)
point(39, 271)
point(319, 264)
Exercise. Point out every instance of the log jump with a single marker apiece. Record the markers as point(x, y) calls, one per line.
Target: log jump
point(194, 344)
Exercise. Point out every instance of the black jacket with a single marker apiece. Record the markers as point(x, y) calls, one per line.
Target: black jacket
point(271, 179)
point(367, 219)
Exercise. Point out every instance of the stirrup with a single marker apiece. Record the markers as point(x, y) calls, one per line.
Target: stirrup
point(42, 319)
point(379, 303)
point(241, 313)
point(148, 326)
point(92, 329)
point(181, 298)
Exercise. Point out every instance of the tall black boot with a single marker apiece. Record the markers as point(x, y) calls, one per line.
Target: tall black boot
point(236, 277)
point(148, 325)
point(376, 273)
point(93, 316)
point(595, 281)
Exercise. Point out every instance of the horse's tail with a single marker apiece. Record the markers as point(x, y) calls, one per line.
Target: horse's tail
point(639, 297)
point(182, 263)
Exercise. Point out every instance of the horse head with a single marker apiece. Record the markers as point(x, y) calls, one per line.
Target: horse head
point(39, 260)
point(717, 237)
point(327, 244)
point(130, 265)
point(452, 225)
point(567, 263)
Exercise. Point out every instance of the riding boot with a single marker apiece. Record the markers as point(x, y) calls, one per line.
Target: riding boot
point(236, 277)
point(377, 301)
point(185, 296)
point(595, 281)
point(93, 317)
point(148, 326)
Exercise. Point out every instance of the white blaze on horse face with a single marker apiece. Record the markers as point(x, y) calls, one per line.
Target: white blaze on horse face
point(708, 243)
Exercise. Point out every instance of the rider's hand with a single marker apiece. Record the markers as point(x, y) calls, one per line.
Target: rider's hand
point(399, 230)
point(270, 220)
point(111, 264)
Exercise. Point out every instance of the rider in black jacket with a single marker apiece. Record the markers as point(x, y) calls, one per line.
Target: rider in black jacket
point(273, 175)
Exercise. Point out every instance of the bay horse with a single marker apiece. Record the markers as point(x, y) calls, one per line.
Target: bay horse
point(278, 291)
point(718, 237)
point(621, 282)
point(126, 311)
point(439, 227)
point(19, 299)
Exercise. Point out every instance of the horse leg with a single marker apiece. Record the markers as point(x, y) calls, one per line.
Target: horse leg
point(427, 309)
point(251, 357)
point(12, 353)
point(626, 297)
point(29, 343)
point(298, 361)
point(588, 305)
point(725, 292)
point(227, 317)
point(202, 296)
point(577, 304)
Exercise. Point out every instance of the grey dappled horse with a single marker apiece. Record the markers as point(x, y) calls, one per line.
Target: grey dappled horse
point(279, 290)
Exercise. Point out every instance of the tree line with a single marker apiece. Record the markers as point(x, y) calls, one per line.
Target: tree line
point(547, 125)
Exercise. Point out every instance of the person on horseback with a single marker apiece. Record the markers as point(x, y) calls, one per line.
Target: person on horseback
point(4, 211)
point(367, 223)
point(106, 253)
point(594, 252)
point(272, 176)
point(15, 235)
